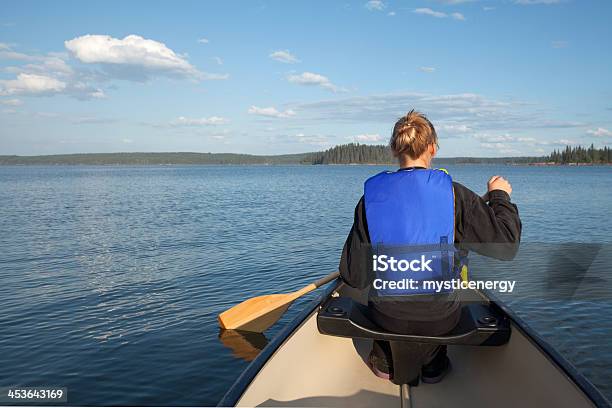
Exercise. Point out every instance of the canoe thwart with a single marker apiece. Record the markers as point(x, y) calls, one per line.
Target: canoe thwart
point(479, 325)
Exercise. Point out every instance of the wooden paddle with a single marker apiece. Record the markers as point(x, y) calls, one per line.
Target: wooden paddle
point(259, 313)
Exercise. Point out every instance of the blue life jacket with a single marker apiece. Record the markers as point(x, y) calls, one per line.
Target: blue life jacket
point(410, 215)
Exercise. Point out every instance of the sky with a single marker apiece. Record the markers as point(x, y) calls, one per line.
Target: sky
point(496, 77)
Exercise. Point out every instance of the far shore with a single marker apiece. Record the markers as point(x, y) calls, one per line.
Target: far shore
point(436, 163)
point(546, 164)
point(341, 155)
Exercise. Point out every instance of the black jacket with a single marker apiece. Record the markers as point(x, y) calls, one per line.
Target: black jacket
point(491, 228)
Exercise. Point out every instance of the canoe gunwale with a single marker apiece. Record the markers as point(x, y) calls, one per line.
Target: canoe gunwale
point(552, 354)
point(233, 395)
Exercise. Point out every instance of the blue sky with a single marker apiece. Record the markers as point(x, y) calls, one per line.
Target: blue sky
point(497, 78)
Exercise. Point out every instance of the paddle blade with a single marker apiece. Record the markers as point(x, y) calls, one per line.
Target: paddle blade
point(256, 314)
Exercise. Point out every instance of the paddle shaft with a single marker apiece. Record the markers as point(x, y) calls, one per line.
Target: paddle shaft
point(314, 285)
point(326, 279)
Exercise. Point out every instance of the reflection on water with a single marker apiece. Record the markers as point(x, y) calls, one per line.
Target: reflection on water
point(244, 345)
point(111, 278)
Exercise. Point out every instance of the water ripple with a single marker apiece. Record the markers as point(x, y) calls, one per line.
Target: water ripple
point(111, 277)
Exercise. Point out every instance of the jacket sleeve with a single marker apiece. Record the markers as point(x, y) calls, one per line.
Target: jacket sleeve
point(490, 228)
point(356, 253)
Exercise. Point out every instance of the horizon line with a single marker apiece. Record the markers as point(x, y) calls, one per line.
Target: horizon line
point(249, 154)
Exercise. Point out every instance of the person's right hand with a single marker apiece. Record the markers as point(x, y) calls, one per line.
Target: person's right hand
point(499, 183)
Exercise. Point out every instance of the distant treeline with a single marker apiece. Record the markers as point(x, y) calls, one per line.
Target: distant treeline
point(355, 153)
point(155, 159)
point(352, 153)
point(579, 154)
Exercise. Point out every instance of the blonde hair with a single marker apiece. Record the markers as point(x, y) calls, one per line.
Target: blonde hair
point(412, 134)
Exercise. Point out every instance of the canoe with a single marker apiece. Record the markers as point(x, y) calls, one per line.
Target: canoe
point(497, 360)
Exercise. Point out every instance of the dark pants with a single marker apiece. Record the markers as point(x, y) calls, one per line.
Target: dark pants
point(415, 355)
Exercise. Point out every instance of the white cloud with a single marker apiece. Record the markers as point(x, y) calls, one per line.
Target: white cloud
point(312, 79)
point(98, 94)
point(11, 102)
point(51, 64)
point(429, 70)
point(315, 140)
point(271, 112)
point(507, 138)
point(9, 54)
point(391, 13)
point(453, 128)
point(127, 141)
point(487, 138)
point(600, 132)
point(92, 120)
point(284, 56)
point(494, 145)
point(501, 148)
point(508, 144)
point(203, 40)
point(31, 84)
point(438, 14)
point(466, 108)
point(218, 60)
point(488, 8)
point(220, 134)
point(454, 115)
point(375, 5)
point(430, 12)
point(560, 124)
point(531, 2)
point(134, 57)
point(368, 138)
point(207, 76)
point(210, 121)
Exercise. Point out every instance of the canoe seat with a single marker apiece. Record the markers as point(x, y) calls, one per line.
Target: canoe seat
point(480, 325)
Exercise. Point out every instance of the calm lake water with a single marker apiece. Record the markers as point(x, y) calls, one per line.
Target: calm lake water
point(111, 277)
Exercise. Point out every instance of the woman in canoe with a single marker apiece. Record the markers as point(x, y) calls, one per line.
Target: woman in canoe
point(418, 205)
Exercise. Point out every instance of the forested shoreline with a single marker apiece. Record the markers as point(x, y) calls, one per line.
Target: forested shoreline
point(352, 153)
point(579, 154)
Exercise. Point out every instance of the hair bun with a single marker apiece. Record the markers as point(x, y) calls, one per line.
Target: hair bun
point(412, 134)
